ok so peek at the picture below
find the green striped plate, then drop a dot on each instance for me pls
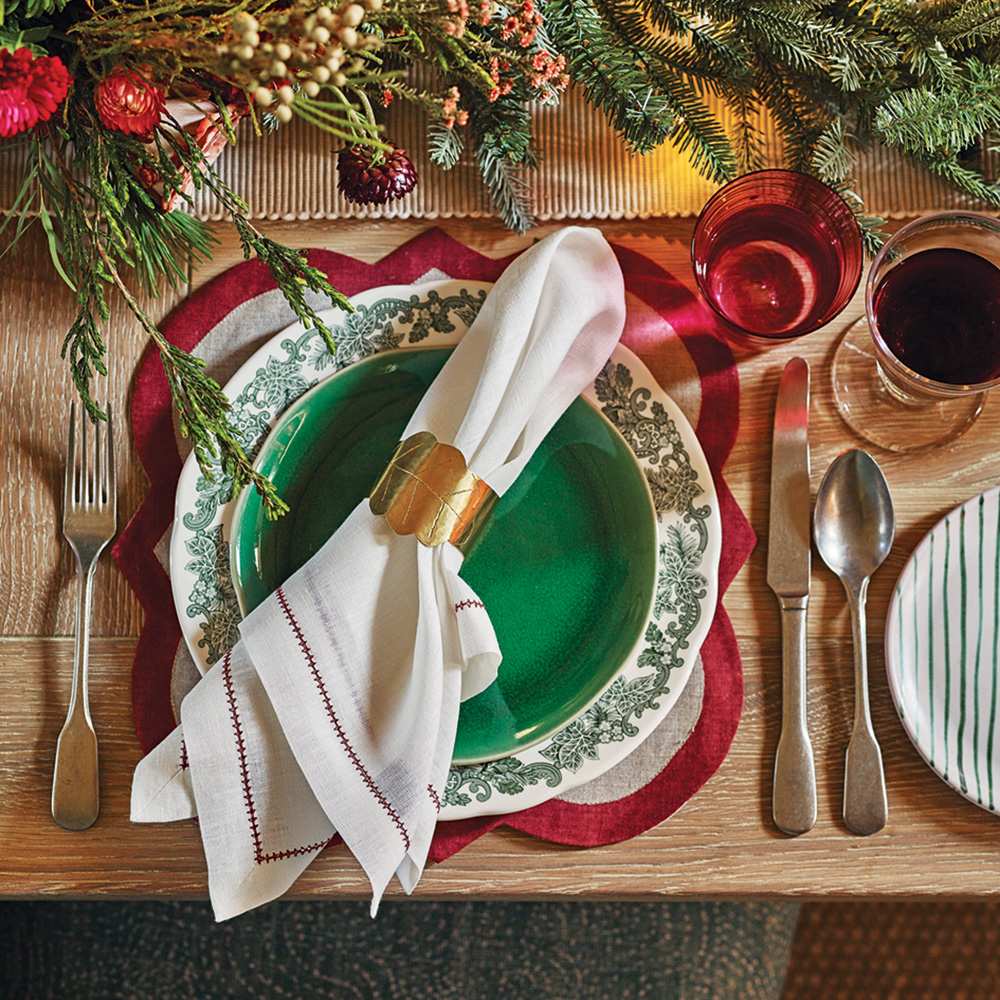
(942, 645)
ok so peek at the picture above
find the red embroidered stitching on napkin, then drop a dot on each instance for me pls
(341, 735)
(258, 851)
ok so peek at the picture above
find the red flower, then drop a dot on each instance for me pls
(30, 89)
(128, 103)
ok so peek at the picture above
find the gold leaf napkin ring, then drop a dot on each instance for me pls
(427, 490)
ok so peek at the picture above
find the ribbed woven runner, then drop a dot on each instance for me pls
(586, 173)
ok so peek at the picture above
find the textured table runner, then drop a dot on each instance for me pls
(230, 317)
(585, 173)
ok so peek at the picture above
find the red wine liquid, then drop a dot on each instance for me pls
(773, 270)
(939, 313)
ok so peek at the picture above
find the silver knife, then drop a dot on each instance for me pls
(794, 796)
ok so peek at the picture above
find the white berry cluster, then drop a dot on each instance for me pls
(300, 48)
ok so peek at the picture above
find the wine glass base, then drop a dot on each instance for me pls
(879, 417)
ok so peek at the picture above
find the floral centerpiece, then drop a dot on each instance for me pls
(121, 106)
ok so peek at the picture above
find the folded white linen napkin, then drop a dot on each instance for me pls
(337, 710)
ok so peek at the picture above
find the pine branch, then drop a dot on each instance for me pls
(678, 79)
(833, 159)
(706, 56)
(748, 144)
(798, 118)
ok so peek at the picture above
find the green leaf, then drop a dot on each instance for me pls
(54, 243)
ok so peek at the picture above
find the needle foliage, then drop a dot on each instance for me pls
(834, 76)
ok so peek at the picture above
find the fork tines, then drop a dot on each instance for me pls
(90, 472)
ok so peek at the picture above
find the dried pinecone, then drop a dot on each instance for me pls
(365, 182)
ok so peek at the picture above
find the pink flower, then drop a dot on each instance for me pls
(128, 103)
(30, 89)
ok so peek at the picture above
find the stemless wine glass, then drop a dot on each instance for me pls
(912, 375)
(777, 254)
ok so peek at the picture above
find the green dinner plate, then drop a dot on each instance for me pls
(566, 564)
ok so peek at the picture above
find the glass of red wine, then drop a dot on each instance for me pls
(777, 254)
(912, 375)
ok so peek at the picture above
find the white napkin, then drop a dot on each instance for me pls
(338, 708)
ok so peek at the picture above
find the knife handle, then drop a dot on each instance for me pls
(793, 801)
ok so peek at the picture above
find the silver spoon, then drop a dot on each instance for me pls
(854, 528)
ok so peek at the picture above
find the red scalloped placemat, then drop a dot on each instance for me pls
(662, 295)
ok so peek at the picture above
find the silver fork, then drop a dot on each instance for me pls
(89, 522)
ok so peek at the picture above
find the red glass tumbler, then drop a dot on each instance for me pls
(776, 254)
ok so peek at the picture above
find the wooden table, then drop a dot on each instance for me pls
(720, 844)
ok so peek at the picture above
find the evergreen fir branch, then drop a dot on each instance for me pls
(609, 76)
(966, 179)
(799, 121)
(713, 41)
(748, 141)
(932, 62)
(916, 30)
(697, 132)
(508, 189)
(942, 123)
(872, 234)
(833, 159)
(833, 163)
(790, 45)
(975, 22)
(503, 128)
(444, 145)
(711, 66)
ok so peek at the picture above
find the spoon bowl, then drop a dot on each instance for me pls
(854, 524)
(854, 527)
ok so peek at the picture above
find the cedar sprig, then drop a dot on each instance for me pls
(99, 220)
(293, 276)
(92, 252)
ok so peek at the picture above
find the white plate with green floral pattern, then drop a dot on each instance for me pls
(689, 529)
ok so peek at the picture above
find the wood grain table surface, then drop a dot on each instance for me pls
(721, 844)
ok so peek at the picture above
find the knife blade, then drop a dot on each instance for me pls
(793, 802)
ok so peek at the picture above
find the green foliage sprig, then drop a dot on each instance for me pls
(834, 76)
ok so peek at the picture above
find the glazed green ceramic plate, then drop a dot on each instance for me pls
(436, 313)
(566, 564)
